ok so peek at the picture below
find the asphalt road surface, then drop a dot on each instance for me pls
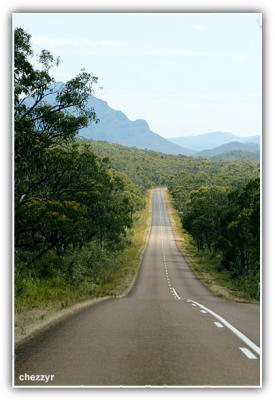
(169, 331)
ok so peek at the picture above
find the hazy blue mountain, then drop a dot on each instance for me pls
(212, 140)
(250, 139)
(228, 147)
(115, 127)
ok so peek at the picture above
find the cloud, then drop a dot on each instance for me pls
(162, 53)
(199, 27)
(47, 41)
(83, 46)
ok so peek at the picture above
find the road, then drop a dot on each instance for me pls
(169, 331)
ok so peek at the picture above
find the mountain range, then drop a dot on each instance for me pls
(116, 127)
(211, 140)
(227, 147)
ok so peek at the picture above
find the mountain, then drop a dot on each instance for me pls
(212, 140)
(228, 147)
(250, 139)
(115, 127)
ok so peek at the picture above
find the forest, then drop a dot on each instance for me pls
(221, 211)
(72, 212)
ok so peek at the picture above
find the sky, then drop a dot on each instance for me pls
(184, 73)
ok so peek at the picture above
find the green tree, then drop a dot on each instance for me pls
(241, 229)
(39, 125)
(202, 215)
(65, 195)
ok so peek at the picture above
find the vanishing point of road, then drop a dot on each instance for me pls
(170, 330)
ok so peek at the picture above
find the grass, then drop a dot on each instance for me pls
(208, 267)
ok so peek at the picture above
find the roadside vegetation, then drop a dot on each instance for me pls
(220, 224)
(77, 220)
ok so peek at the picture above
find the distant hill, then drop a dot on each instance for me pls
(235, 155)
(211, 140)
(228, 147)
(115, 127)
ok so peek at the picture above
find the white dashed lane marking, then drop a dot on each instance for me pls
(223, 323)
(175, 294)
(234, 330)
(248, 353)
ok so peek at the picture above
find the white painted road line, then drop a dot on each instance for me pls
(203, 311)
(175, 294)
(239, 334)
(248, 353)
(218, 324)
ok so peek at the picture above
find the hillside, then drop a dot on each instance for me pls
(148, 168)
(211, 140)
(228, 147)
(237, 155)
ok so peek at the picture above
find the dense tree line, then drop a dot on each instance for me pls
(222, 213)
(65, 196)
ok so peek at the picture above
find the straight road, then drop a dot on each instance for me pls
(169, 331)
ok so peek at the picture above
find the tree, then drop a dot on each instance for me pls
(40, 126)
(241, 229)
(202, 215)
(65, 196)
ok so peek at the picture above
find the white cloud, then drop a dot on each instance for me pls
(83, 46)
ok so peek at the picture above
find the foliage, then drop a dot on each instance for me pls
(240, 224)
(65, 196)
(237, 155)
(201, 218)
(227, 221)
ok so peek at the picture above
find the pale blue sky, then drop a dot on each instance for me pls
(185, 74)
